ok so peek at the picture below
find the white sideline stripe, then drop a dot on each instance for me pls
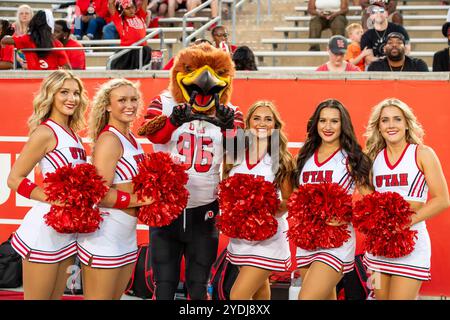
(19, 221)
(140, 140)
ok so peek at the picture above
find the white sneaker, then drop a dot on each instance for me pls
(86, 38)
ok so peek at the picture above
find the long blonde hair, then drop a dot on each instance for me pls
(282, 164)
(21, 29)
(99, 116)
(43, 101)
(375, 142)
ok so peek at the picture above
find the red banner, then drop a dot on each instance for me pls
(296, 101)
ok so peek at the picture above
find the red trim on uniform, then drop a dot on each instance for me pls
(417, 183)
(19, 246)
(60, 158)
(388, 163)
(418, 190)
(123, 173)
(54, 133)
(415, 158)
(127, 166)
(376, 266)
(316, 157)
(74, 137)
(85, 256)
(106, 129)
(54, 161)
(257, 262)
(328, 259)
(133, 142)
(164, 134)
(247, 158)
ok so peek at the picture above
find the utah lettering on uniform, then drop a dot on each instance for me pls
(392, 180)
(78, 153)
(317, 176)
(139, 157)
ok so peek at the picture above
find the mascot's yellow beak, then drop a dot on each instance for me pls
(206, 83)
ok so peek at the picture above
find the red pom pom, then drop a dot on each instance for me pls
(310, 207)
(247, 206)
(164, 181)
(385, 218)
(80, 189)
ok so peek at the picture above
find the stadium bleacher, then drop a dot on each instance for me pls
(278, 38)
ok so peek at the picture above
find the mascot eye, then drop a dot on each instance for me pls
(221, 72)
(187, 69)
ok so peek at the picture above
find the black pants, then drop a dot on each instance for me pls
(193, 235)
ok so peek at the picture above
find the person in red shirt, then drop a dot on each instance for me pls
(131, 27)
(7, 51)
(219, 35)
(93, 16)
(40, 36)
(77, 58)
(337, 48)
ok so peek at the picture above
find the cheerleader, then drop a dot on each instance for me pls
(394, 142)
(58, 113)
(108, 254)
(265, 155)
(331, 153)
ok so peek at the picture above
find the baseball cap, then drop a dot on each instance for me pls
(379, 3)
(337, 44)
(397, 35)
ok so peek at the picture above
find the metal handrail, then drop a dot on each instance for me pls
(186, 39)
(70, 49)
(137, 43)
(236, 6)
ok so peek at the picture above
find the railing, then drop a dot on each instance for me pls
(187, 39)
(126, 49)
(75, 48)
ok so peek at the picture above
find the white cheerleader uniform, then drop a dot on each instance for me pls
(405, 178)
(273, 253)
(332, 170)
(34, 239)
(114, 244)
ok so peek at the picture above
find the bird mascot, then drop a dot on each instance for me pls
(190, 121)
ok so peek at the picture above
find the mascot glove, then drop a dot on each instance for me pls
(224, 117)
(181, 114)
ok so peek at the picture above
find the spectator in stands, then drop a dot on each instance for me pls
(326, 14)
(159, 7)
(354, 53)
(244, 59)
(94, 16)
(23, 18)
(174, 5)
(6, 51)
(337, 47)
(40, 36)
(77, 58)
(375, 39)
(130, 24)
(396, 58)
(391, 7)
(214, 12)
(219, 35)
(169, 63)
(441, 59)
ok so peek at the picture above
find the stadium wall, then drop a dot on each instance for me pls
(296, 96)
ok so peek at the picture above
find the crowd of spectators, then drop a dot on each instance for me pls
(378, 43)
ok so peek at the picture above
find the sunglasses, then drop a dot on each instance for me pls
(225, 35)
(377, 10)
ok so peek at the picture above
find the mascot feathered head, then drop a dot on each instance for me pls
(200, 75)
